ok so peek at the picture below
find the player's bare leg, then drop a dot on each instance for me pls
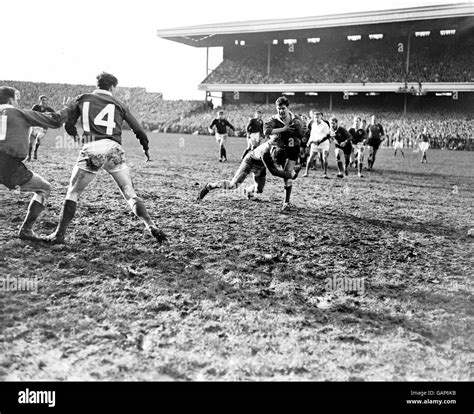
(423, 157)
(123, 180)
(324, 162)
(360, 162)
(347, 162)
(312, 157)
(42, 190)
(80, 179)
(217, 185)
(289, 166)
(39, 137)
(31, 142)
(340, 163)
(248, 149)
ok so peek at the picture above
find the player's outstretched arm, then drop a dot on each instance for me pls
(48, 119)
(139, 132)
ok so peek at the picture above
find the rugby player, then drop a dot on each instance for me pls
(14, 129)
(102, 117)
(398, 145)
(359, 139)
(319, 143)
(266, 156)
(376, 137)
(254, 131)
(38, 133)
(287, 130)
(219, 125)
(343, 149)
(424, 144)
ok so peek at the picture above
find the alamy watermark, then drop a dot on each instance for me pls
(345, 284)
(18, 284)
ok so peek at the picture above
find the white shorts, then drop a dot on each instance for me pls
(359, 147)
(255, 139)
(221, 138)
(38, 132)
(398, 145)
(324, 146)
(104, 153)
(424, 146)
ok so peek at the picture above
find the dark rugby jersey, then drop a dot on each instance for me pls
(42, 109)
(221, 125)
(287, 138)
(425, 137)
(255, 125)
(358, 135)
(15, 126)
(102, 118)
(341, 135)
(376, 131)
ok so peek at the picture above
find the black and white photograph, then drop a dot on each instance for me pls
(237, 192)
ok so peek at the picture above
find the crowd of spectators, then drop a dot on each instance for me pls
(446, 130)
(150, 108)
(347, 63)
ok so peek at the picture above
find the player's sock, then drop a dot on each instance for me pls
(34, 210)
(224, 153)
(340, 167)
(67, 214)
(288, 193)
(30, 149)
(137, 205)
(35, 154)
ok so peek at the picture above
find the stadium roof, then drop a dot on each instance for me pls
(457, 16)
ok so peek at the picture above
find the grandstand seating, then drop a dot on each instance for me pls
(348, 63)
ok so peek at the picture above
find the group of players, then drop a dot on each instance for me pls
(283, 143)
(102, 116)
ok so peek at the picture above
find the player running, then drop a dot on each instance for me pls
(343, 149)
(287, 130)
(254, 132)
(424, 144)
(319, 143)
(219, 125)
(102, 117)
(376, 137)
(398, 145)
(37, 133)
(266, 156)
(359, 139)
(14, 129)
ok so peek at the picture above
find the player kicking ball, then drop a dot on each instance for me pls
(102, 117)
(266, 156)
(15, 125)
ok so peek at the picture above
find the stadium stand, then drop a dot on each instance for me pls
(348, 63)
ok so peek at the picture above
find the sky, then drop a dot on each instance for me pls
(60, 42)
